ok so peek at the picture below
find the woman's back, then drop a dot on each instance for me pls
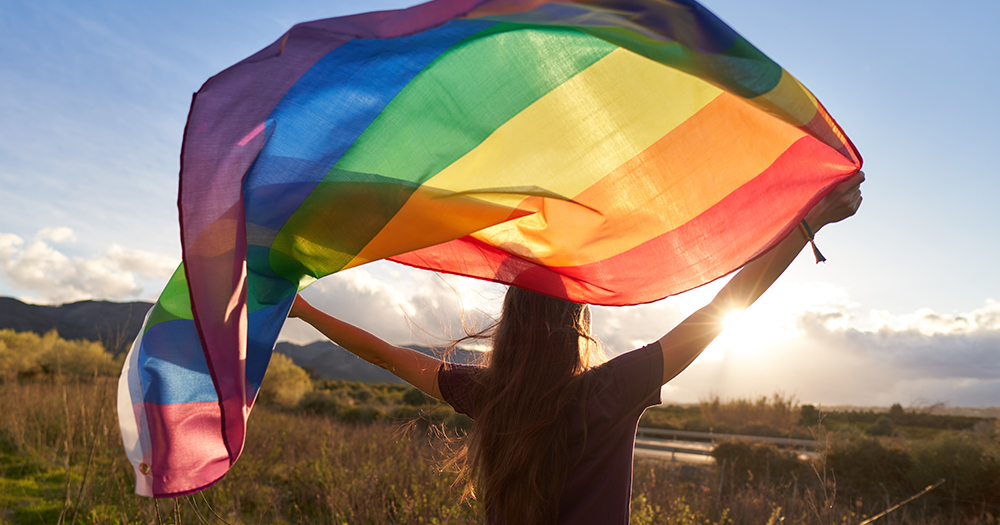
(600, 432)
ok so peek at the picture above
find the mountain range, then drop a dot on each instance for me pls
(116, 324)
(329, 361)
(113, 324)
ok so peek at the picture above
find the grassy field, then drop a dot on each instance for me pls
(340, 452)
(300, 467)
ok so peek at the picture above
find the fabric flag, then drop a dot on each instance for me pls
(611, 152)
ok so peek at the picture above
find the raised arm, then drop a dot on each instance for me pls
(687, 340)
(417, 369)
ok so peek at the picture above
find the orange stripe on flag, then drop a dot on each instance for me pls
(720, 148)
(738, 228)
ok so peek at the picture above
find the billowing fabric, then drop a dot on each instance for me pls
(598, 488)
(611, 152)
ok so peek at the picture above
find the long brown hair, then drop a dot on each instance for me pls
(516, 455)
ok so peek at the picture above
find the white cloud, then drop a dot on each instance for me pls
(401, 305)
(809, 340)
(46, 275)
(143, 264)
(831, 358)
(621, 329)
(56, 235)
(9, 245)
(929, 323)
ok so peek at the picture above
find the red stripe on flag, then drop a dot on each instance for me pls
(743, 225)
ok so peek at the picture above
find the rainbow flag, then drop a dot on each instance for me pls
(611, 152)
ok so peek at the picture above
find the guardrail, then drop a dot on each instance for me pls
(674, 449)
(681, 435)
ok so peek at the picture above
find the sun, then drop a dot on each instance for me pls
(743, 332)
(734, 321)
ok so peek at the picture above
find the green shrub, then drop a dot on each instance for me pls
(761, 430)
(457, 421)
(765, 462)
(405, 413)
(27, 354)
(365, 414)
(864, 466)
(324, 402)
(882, 427)
(284, 382)
(669, 417)
(414, 397)
(362, 393)
(698, 425)
(809, 415)
(970, 466)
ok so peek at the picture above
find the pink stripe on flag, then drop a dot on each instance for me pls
(188, 452)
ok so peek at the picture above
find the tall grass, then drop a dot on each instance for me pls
(62, 461)
(295, 468)
(777, 413)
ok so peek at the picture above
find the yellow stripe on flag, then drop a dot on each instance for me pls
(707, 158)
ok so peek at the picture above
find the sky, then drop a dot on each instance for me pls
(94, 96)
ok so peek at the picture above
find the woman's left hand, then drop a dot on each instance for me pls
(300, 307)
(839, 204)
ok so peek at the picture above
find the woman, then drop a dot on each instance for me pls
(552, 437)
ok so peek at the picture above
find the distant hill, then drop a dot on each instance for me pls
(114, 324)
(330, 361)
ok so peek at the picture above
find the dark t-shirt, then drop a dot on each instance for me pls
(599, 487)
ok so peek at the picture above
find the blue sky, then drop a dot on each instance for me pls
(94, 96)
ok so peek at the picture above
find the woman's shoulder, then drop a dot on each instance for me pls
(648, 355)
(636, 373)
(455, 382)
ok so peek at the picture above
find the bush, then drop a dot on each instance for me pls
(362, 393)
(324, 402)
(405, 413)
(809, 416)
(284, 382)
(27, 354)
(746, 461)
(882, 427)
(414, 397)
(362, 414)
(865, 467)
(761, 430)
(970, 466)
(456, 421)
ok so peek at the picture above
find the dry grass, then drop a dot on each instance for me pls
(295, 468)
(777, 412)
(306, 468)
